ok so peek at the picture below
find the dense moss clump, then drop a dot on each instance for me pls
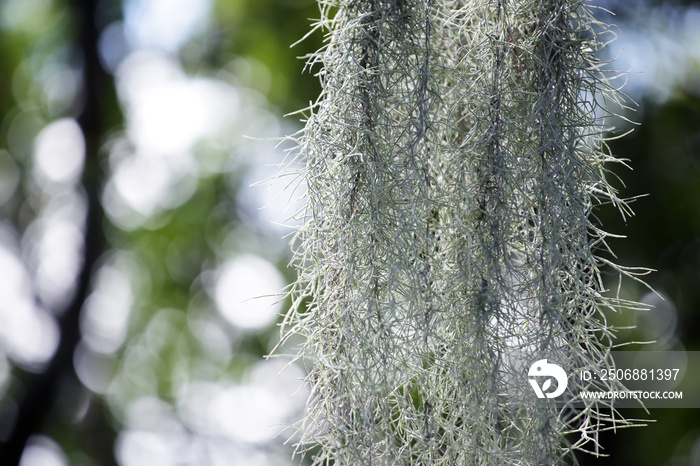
(453, 162)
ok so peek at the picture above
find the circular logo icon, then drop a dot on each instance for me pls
(543, 370)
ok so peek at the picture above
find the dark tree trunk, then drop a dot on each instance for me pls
(43, 389)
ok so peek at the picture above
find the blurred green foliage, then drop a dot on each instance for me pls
(264, 31)
(664, 234)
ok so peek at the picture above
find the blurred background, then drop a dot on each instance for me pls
(137, 222)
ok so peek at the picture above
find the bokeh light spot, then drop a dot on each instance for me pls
(248, 413)
(42, 451)
(164, 24)
(138, 448)
(60, 152)
(247, 292)
(107, 310)
(28, 334)
(658, 323)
